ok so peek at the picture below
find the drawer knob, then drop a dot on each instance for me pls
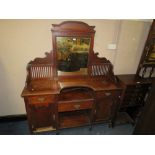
(41, 99)
(77, 106)
(107, 94)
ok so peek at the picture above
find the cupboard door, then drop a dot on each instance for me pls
(107, 104)
(103, 109)
(42, 115)
(40, 112)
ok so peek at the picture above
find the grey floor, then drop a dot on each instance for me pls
(21, 128)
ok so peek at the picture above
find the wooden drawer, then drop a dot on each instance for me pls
(41, 99)
(71, 106)
(105, 94)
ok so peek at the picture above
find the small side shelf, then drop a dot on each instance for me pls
(74, 119)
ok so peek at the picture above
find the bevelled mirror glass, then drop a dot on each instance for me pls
(72, 55)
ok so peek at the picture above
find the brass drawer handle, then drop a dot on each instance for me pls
(41, 99)
(107, 94)
(138, 82)
(77, 106)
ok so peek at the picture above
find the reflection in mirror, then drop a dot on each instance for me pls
(72, 55)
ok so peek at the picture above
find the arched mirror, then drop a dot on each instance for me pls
(72, 45)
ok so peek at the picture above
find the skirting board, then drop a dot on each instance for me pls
(13, 118)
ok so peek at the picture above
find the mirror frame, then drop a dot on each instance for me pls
(72, 29)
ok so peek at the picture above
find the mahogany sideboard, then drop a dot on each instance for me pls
(71, 86)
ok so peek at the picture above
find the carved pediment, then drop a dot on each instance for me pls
(48, 59)
(73, 26)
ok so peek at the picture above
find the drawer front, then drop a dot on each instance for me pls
(62, 107)
(41, 99)
(105, 94)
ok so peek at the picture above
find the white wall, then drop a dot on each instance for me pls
(24, 40)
